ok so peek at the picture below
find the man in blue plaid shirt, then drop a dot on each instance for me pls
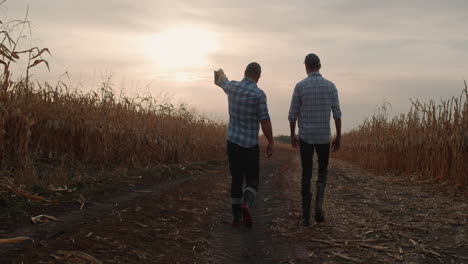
(313, 100)
(247, 111)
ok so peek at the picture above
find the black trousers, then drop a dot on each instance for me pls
(307, 154)
(244, 164)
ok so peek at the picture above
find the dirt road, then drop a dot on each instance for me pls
(369, 219)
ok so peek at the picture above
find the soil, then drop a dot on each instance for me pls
(370, 218)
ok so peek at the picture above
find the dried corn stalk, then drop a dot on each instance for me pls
(75, 256)
(431, 140)
(8, 183)
(43, 219)
(14, 240)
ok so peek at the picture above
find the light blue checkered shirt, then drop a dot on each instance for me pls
(247, 107)
(313, 100)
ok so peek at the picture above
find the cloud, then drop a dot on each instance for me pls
(372, 50)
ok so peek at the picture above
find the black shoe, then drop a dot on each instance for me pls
(319, 216)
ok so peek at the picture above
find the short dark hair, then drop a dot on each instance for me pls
(312, 61)
(253, 70)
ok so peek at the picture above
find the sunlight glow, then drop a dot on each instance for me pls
(181, 47)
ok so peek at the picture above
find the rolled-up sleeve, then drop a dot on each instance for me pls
(263, 108)
(295, 105)
(335, 104)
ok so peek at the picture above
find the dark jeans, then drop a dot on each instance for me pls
(307, 154)
(243, 165)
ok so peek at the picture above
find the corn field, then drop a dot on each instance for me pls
(41, 124)
(431, 140)
(54, 127)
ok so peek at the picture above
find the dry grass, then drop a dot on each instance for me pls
(431, 140)
(40, 124)
(56, 129)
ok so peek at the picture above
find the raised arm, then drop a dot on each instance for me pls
(221, 80)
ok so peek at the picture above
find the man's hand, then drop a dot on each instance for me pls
(219, 76)
(294, 141)
(269, 150)
(336, 144)
(268, 132)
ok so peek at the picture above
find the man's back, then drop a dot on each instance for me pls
(247, 107)
(313, 99)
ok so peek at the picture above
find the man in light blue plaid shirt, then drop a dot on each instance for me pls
(313, 100)
(247, 111)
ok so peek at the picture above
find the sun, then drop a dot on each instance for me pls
(181, 47)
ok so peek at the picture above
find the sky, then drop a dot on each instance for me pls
(373, 51)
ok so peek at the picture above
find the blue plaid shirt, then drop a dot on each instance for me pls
(247, 107)
(312, 101)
